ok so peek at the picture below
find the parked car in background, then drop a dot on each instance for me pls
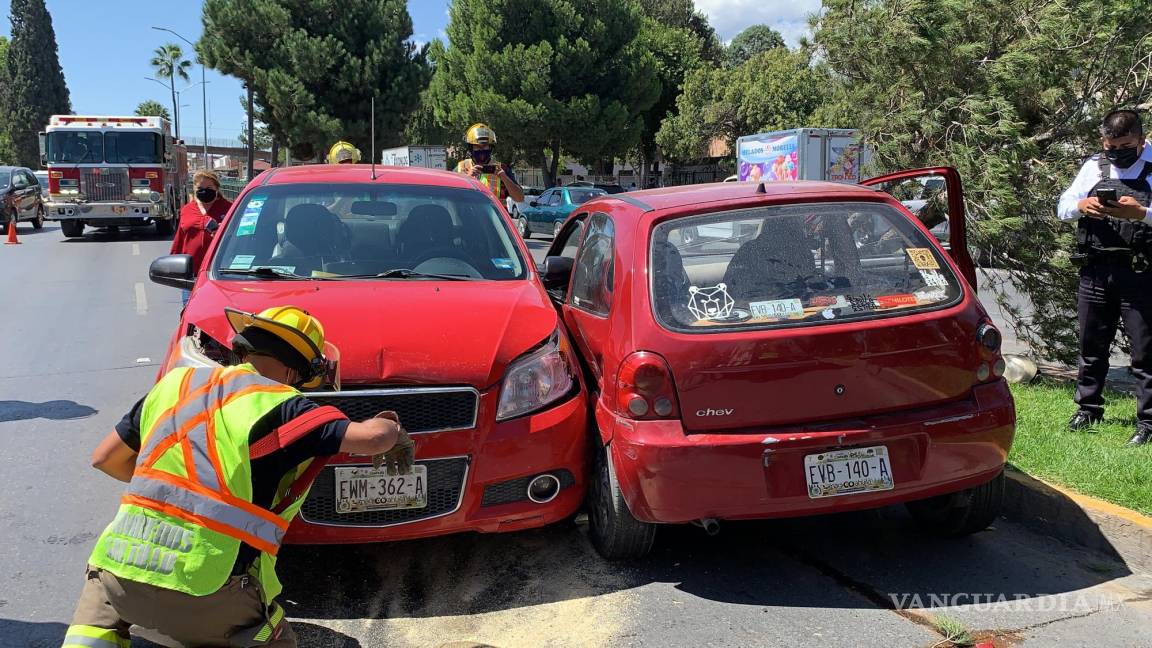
(517, 206)
(546, 214)
(415, 274)
(608, 188)
(42, 178)
(797, 371)
(21, 196)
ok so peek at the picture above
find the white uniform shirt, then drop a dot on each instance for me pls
(1088, 177)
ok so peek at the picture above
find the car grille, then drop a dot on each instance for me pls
(516, 490)
(99, 185)
(421, 409)
(445, 487)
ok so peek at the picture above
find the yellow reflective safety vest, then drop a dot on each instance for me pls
(490, 180)
(189, 504)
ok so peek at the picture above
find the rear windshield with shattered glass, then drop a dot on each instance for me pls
(794, 265)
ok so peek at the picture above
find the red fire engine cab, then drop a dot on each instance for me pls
(113, 172)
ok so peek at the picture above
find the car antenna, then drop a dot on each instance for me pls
(372, 134)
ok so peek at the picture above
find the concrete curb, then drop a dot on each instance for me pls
(1078, 519)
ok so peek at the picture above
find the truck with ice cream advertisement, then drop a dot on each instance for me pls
(829, 154)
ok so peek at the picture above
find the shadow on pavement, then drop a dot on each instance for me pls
(56, 410)
(767, 563)
(104, 235)
(31, 634)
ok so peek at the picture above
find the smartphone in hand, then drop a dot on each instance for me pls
(1107, 197)
(491, 168)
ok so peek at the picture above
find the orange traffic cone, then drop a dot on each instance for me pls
(12, 240)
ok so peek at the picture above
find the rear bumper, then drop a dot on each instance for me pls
(462, 465)
(669, 476)
(93, 211)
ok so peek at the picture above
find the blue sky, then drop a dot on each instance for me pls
(105, 47)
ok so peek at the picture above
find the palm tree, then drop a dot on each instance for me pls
(169, 63)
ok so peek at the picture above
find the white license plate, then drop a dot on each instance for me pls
(364, 488)
(845, 472)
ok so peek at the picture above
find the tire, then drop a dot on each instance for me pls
(522, 226)
(72, 228)
(164, 227)
(38, 222)
(556, 228)
(615, 533)
(963, 513)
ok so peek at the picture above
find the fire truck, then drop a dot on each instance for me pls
(113, 172)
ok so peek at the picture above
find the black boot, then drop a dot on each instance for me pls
(1082, 420)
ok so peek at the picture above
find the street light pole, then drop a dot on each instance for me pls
(203, 94)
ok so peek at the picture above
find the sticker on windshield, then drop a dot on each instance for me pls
(711, 303)
(934, 279)
(242, 262)
(504, 264)
(251, 216)
(922, 258)
(861, 303)
(931, 295)
(828, 301)
(896, 301)
(778, 308)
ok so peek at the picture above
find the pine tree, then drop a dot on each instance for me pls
(39, 90)
(6, 155)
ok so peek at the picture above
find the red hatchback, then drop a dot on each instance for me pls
(782, 349)
(429, 296)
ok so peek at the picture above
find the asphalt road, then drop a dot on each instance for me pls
(84, 329)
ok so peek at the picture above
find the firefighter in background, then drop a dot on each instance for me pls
(498, 177)
(343, 153)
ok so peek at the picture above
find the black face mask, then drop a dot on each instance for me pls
(1124, 157)
(482, 156)
(206, 194)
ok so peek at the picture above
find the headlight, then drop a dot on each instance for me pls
(197, 349)
(537, 379)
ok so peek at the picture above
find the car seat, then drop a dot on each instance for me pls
(763, 266)
(427, 228)
(670, 284)
(313, 236)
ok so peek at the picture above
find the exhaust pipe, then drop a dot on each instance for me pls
(711, 526)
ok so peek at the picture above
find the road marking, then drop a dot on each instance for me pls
(141, 299)
(135, 249)
(143, 360)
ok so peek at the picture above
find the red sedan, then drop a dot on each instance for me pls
(783, 349)
(428, 294)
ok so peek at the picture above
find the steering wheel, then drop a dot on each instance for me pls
(455, 263)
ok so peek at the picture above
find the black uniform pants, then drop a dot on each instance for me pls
(1111, 292)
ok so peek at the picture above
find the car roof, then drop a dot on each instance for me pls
(11, 168)
(687, 195)
(362, 173)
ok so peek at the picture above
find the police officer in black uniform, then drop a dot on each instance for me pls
(1110, 201)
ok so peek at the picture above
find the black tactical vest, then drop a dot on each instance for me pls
(1106, 233)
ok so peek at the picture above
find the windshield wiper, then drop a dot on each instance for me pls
(408, 273)
(264, 272)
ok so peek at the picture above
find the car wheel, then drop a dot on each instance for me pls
(556, 228)
(963, 513)
(164, 227)
(615, 533)
(72, 228)
(38, 222)
(522, 225)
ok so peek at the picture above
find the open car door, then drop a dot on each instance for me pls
(935, 195)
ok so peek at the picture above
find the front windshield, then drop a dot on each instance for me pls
(795, 265)
(132, 148)
(76, 147)
(331, 231)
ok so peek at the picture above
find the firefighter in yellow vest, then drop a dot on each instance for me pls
(498, 177)
(218, 461)
(343, 153)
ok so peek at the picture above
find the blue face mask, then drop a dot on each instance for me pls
(481, 156)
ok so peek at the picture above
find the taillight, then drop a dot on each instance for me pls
(644, 388)
(992, 364)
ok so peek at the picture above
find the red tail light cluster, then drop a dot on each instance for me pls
(644, 388)
(992, 364)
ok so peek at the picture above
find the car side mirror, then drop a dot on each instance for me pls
(556, 271)
(533, 204)
(173, 270)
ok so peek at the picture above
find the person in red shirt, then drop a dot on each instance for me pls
(194, 234)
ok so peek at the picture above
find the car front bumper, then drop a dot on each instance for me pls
(93, 211)
(669, 476)
(477, 480)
